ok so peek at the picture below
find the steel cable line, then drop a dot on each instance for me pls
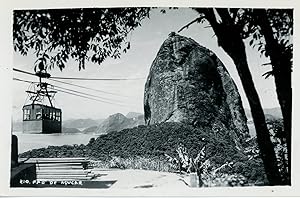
(75, 78)
(85, 93)
(17, 79)
(101, 99)
(90, 98)
(25, 72)
(98, 90)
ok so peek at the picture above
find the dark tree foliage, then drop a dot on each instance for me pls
(230, 34)
(85, 34)
(270, 31)
(276, 26)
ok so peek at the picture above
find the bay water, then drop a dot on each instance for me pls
(28, 142)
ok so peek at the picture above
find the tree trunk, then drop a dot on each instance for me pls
(263, 137)
(281, 65)
(230, 40)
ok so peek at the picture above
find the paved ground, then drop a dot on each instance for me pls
(133, 179)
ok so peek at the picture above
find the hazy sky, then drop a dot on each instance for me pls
(145, 43)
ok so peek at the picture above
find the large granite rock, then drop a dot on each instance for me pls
(188, 83)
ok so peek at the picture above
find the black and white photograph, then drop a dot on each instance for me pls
(152, 98)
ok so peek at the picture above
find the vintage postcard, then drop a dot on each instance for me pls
(158, 99)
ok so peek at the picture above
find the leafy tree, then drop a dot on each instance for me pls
(276, 26)
(270, 32)
(86, 34)
(230, 37)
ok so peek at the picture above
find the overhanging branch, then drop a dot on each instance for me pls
(197, 20)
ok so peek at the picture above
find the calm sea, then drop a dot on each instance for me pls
(33, 141)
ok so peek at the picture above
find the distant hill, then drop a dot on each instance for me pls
(118, 121)
(18, 127)
(275, 112)
(270, 113)
(68, 126)
(133, 114)
(80, 123)
(92, 129)
(70, 130)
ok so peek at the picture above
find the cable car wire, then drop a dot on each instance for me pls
(51, 78)
(17, 79)
(22, 71)
(89, 97)
(97, 98)
(108, 79)
(98, 90)
(75, 78)
(85, 93)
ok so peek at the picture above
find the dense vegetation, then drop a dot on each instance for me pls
(157, 141)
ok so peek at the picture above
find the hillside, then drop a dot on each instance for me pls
(114, 122)
(70, 130)
(133, 114)
(271, 113)
(81, 123)
(118, 121)
(154, 141)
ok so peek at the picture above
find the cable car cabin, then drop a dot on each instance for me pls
(39, 118)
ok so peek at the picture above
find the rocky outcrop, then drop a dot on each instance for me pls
(187, 83)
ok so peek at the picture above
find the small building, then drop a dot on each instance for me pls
(38, 118)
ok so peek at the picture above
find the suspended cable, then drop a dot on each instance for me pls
(98, 90)
(25, 72)
(89, 97)
(95, 99)
(85, 93)
(18, 70)
(107, 79)
(17, 79)
(74, 78)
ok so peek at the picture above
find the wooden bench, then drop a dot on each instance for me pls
(61, 168)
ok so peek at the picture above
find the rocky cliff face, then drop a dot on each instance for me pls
(188, 83)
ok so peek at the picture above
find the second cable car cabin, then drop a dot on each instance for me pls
(38, 117)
